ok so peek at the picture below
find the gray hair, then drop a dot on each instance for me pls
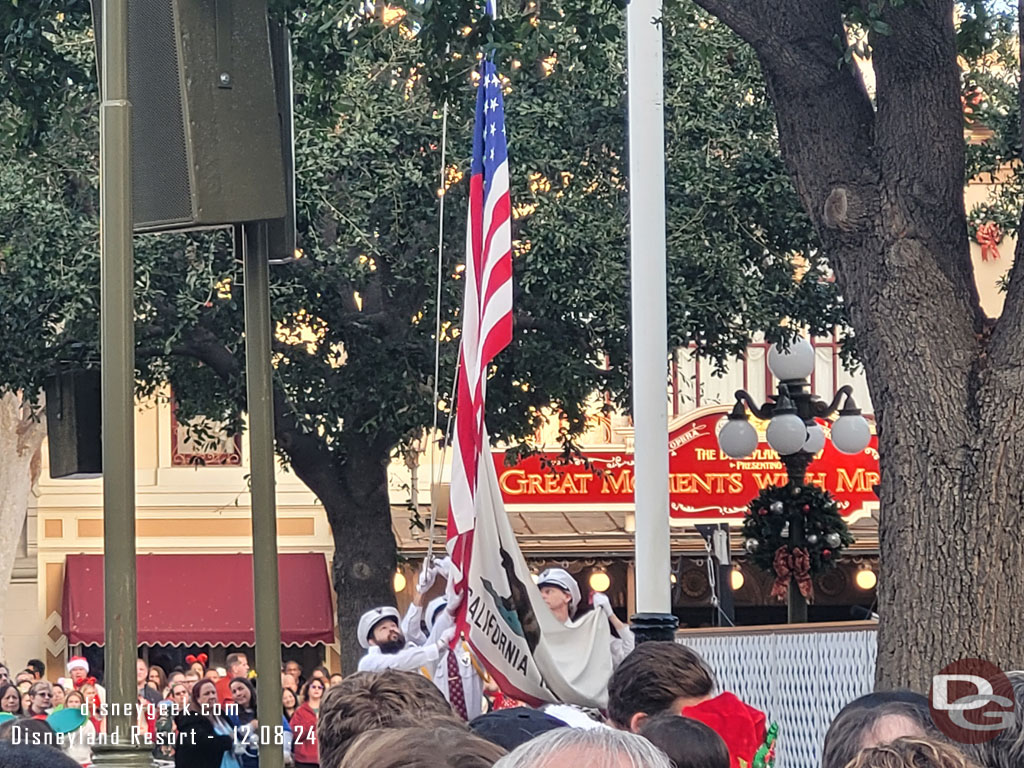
(594, 748)
(1007, 749)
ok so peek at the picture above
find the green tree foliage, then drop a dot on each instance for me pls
(354, 356)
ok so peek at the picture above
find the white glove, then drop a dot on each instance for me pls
(427, 577)
(454, 599)
(443, 566)
(445, 640)
(601, 601)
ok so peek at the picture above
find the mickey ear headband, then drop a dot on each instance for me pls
(202, 658)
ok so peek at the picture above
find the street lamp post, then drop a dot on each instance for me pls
(793, 431)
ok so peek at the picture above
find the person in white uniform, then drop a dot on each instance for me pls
(562, 595)
(438, 622)
(387, 647)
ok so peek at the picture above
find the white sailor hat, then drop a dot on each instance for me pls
(433, 607)
(559, 577)
(371, 619)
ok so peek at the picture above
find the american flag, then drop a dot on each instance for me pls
(487, 311)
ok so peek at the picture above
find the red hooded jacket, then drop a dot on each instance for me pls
(742, 728)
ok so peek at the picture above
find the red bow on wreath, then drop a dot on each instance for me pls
(86, 681)
(202, 658)
(795, 565)
(988, 237)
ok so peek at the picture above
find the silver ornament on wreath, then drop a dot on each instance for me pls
(812, 538)
(776, 507)
(785, 530)
(751, 545)
(833, 540)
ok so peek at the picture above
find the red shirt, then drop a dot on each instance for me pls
(742, 728)
(224, 690)
(304, 742)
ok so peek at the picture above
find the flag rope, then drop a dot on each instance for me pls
(435, 473)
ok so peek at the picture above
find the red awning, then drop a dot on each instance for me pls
(201, 599)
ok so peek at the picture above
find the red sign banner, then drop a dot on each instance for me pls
(703, 481)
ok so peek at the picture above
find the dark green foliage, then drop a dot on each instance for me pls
(368, 161)
(779, 510)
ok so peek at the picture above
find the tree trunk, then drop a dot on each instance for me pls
(364, 546)
(20, 441)
(883, 184)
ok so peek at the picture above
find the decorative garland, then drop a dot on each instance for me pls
(773, 514)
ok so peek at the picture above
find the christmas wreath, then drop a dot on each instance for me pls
(794, 532)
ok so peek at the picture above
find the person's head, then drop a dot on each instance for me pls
(74, 700)
(657, 677)
(367, 701)
(37, 667)
(872, 720)
(141, 672)
(560, 591)
(243, 694)
(912, 752)
(313, 691)
(445, 747)
(379, 627)
(26, 703)
(213, 674)
(26, 676)
(92, 696)
(26, 731)
(237, 665)
(191, 678)
(5, 674)
(33, 756)
(176, 676)
(204, 695)
(10, 698)
(58, 695)
(1006, 750)
(336, 678)
(289, 699)
(157, 678)
(322, 672)
(40, 697)
(179, 693)
(688, 743)
(508, 728)
(293, 668)
(593, 748)
(78, 668)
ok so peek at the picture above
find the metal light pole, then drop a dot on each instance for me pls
(260, 399)
(654, 619)
(117, 361)
(794, 433)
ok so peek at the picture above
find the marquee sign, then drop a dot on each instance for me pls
(703, 482)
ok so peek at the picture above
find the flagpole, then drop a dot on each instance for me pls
(654, 619)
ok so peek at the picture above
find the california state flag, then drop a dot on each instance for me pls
(531, 655)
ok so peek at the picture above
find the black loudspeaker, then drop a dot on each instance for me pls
(282, 233)
(73, 424)
(206, 136)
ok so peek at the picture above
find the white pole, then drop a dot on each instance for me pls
(649, 313)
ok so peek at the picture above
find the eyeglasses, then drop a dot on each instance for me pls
(47, 694)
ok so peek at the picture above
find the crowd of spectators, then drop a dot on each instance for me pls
(665, 710)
